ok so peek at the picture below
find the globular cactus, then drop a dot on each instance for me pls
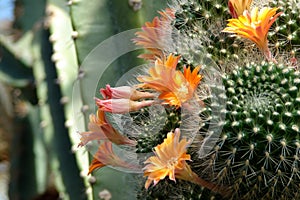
(258, 150)
(204, 21)
(256, 154)
(285, 35)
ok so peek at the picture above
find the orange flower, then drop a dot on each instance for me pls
(95, 164)
(170, 160)
(100, 129)
(254, 26)
(237, 7)
(170, 157)
(174, 86)
(151, 35)
(105, 156)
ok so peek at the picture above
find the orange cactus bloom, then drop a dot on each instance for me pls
(105, 156)
(100, 129)
(151, 35)
(237, 7)
(170, 156)
(95, 164)
(254, 26)
(174, 86)
(170, 160)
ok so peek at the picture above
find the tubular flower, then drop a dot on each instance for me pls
(151, 36)
(105, 156)
(237, 7)
(254, 26)
(121, 105)
(124, 92)
(174, 86)
(170, 157)
(100, 129)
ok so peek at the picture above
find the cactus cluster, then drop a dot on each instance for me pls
(40, 60)
(223, 120)
(243, 122)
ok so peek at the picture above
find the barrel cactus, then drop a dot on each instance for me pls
(258, 150)
(285, 35)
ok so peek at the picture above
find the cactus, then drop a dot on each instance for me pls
(257, 153)
(26, 156)
(19, 75)
(285, 35)
(49, 97)
(34, 71)
(204, 21)
(49, 139)
(116, 16)
(64, 58)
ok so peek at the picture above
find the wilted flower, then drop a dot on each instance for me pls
(254, 26)
(151, 36)
(100, 129)
(237, 7)
(124, 92)
(105, 156)
(121, 105)
(174, 86)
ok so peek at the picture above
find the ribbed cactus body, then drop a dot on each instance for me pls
(257, 154)
(146, 140)
(205, 20)
(286, 34)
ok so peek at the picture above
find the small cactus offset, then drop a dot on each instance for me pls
(215, 113)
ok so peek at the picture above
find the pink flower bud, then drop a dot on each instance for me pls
(100, 129)
(121, 105)
(124, 92)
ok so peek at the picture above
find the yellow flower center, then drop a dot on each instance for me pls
(172, 162)
(183, 92)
